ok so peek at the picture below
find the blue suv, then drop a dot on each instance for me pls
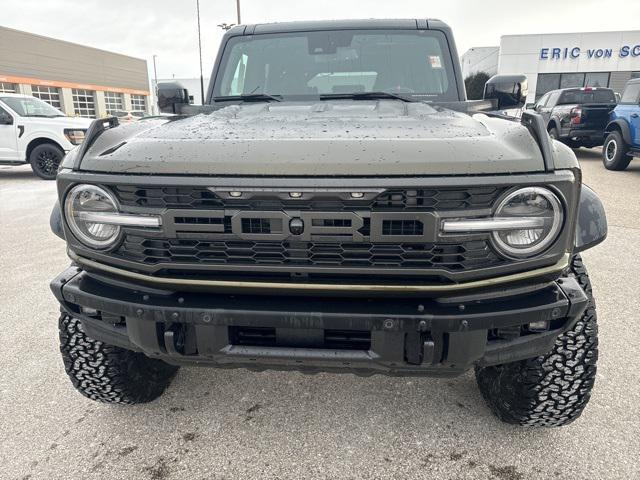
(622, 141)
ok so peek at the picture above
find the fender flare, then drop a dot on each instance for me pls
(55, 221)
(622, 126)
(591, 224)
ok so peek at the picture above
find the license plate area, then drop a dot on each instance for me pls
(300, 338)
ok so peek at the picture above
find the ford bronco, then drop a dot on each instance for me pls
(622, 141)
(337, 205)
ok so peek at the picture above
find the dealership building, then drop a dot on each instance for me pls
(80, 81)
(551, 61)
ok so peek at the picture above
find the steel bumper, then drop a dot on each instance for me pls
(395, 336)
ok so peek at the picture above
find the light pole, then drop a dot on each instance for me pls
(238, 11)
(200, 52)
(155, 76)
(155, 70)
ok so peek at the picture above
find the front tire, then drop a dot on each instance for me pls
(110, 374)
(45, 160)
(614, 152)
(550, 390)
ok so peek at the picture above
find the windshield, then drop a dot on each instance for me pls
(415, 63)
(31, 107)
(587, 96)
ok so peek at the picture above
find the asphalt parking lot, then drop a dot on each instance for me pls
(239, 424)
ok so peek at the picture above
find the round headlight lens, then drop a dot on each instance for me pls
(533, 202)
(87, 199)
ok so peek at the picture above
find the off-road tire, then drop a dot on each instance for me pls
(615, 152)
(551, 390)
(110, 374)
(45, 160)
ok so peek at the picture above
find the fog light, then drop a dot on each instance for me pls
(357, 194)
(235, 194)
(295, 194)
(541, 326)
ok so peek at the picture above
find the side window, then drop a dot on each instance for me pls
(5, 117)
(237, 82)
(631, 94)
(543, 101)
(553, 99)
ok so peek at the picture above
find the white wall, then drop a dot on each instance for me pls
(480, 59)
(523, 54)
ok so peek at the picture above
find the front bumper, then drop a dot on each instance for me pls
(395, 336)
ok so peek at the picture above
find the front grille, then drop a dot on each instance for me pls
(391, 199)
(452, 257)
(328, 235)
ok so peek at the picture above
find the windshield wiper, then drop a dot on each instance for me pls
(368, 96)
(250, 97)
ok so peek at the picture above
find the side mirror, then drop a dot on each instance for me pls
(171, 97)
(530, 106)
(6, 119)
(507, 91)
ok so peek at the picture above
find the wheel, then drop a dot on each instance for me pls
(551, 390)
(110, 374)
(45, 159)
(614, 152)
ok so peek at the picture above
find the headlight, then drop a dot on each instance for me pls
(93, 216)
(75, 136)
(524, 224)
(538, 206)
(81, 206)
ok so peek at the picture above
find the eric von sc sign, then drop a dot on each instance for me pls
(576, 52)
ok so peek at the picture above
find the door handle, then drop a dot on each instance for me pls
(634, 115)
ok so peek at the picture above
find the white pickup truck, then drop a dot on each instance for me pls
(34, 132)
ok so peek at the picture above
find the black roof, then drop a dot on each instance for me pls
(317, 25)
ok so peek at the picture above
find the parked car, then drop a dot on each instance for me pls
(622, 141)
(34, 132)
(577, 116)
(125, 116)
(343, 225)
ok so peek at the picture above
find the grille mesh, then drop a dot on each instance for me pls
(395, 199)
(453, 257)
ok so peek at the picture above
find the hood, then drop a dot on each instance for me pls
(341, 138)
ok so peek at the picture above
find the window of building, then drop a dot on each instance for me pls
(597, 79)
(139, 103)
(83, 103)
(113, 102)
(547, 82)
(8, 87)
(51, 95)
(635, 74)
(568, 80)
(552, 81)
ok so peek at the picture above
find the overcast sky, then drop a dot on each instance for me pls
(167, 28)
